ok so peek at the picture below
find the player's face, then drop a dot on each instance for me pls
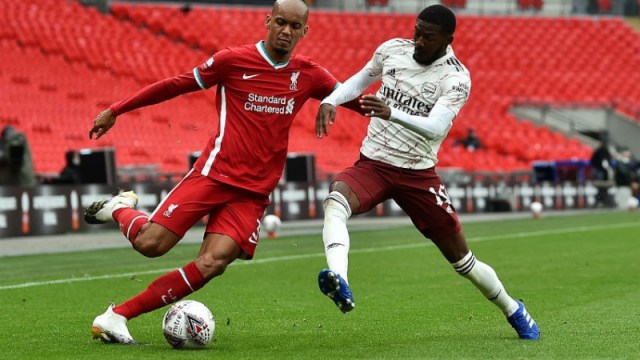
(287, 24)
(430, 42)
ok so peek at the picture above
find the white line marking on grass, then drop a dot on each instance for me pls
(355, 251)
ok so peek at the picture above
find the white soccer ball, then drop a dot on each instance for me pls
(188, 324)
(271, 224)
(536, 209)
(632, 203)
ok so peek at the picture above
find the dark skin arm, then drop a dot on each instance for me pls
(103, 123)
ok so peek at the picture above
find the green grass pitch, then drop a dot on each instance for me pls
(578, 276)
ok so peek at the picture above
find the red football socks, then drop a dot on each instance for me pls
(164, 290)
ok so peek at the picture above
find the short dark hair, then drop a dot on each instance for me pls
(439, 15)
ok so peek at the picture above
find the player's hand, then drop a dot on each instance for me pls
(104, 121)
(325, 117)
(374, 106)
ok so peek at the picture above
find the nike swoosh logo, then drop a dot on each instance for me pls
(246, 77)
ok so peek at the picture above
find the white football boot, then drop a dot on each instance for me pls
(101, 212)
(111, 328)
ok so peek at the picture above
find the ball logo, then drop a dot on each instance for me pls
(196, 326)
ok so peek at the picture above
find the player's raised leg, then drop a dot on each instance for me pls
(120, 208)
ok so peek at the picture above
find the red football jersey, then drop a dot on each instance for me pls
(257, 100)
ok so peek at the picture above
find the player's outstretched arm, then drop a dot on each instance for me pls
(103, 123)
(149, 95)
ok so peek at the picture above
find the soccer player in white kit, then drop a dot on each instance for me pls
(423, 88)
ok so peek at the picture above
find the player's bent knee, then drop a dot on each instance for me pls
(211, 266)
(150, 248)
(338, 199)
(154, 240)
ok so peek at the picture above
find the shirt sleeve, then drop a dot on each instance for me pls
(375, 64)
(455, 91)
(210, 73)
(351, 89)
(213, 71)
(156, 93)
(434, 126)
(324, 82)
(327, 83)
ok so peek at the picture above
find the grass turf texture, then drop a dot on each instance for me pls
(578, 276)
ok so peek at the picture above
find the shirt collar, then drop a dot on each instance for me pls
(448, 55)
(262, 49)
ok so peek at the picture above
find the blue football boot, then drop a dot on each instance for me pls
(524, 324)
(337, 289)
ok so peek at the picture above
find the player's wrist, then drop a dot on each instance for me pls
(328, 101)
(397, 115)
(114, 110)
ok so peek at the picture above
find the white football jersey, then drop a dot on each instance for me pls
(414, 89)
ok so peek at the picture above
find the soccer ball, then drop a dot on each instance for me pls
(271, 224)
(632, 203)
(536, 209)
(188, 324)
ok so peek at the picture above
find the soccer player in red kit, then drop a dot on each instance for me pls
(260, 88)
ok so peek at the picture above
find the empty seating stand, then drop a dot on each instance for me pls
(56, 55)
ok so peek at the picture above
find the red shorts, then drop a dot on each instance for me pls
(232, 211)
(420, 193)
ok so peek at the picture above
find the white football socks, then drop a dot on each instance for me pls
(486, 280)
(335, 234)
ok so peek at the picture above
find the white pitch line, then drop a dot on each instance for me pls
(314, 255)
